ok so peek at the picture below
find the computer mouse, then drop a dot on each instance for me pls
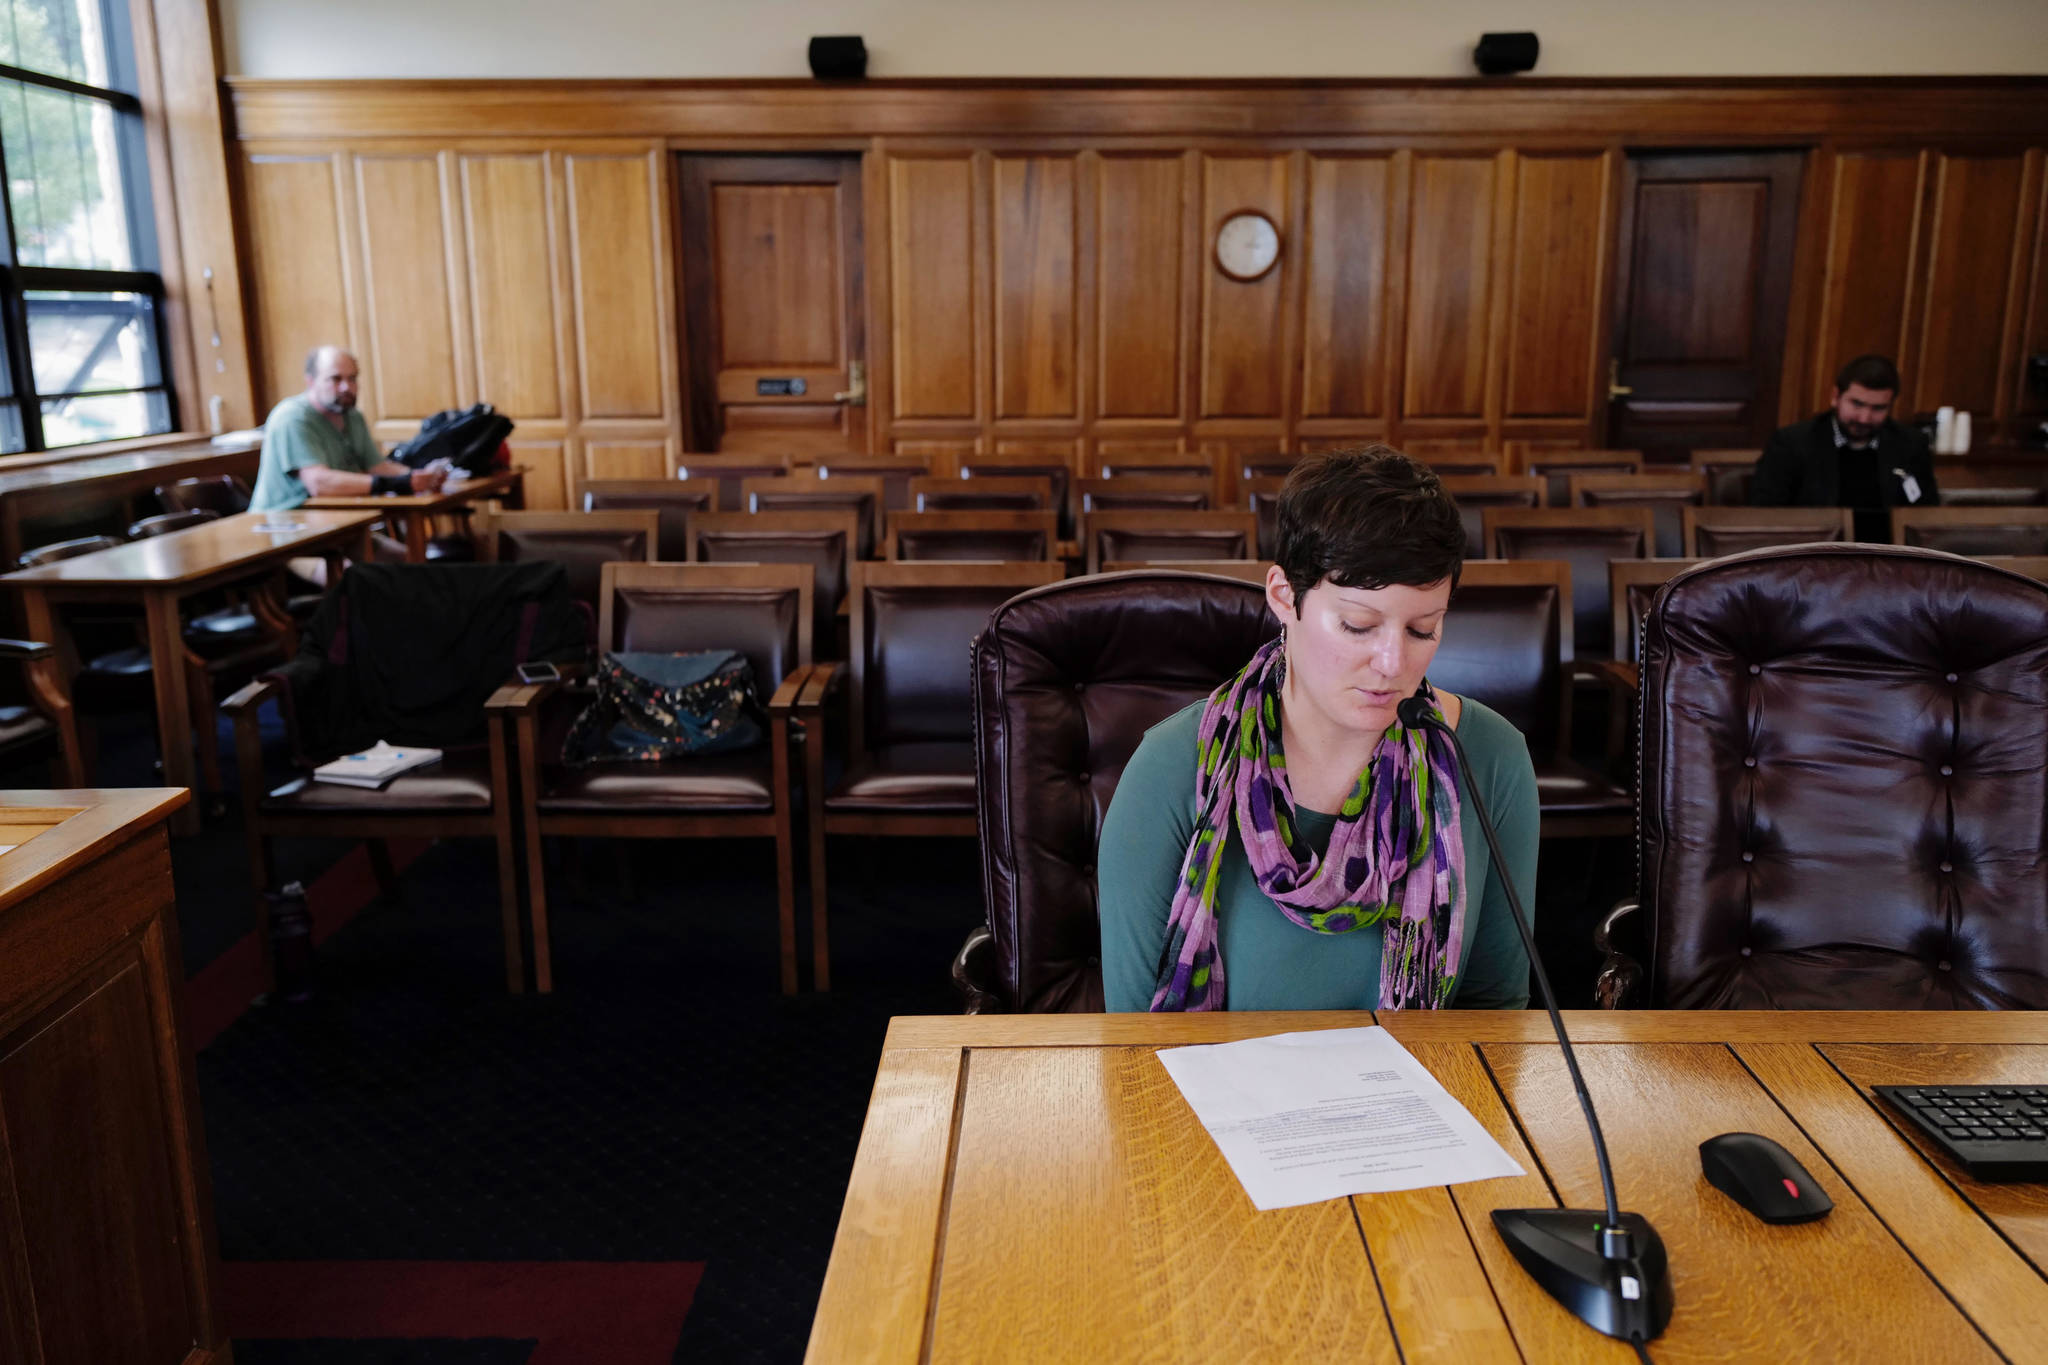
(1762, 1177)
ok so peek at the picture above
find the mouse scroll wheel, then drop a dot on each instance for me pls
(1791, 1188)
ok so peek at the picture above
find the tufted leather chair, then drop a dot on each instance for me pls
(1973, 530)
(1154, 534)
(1022, 494)
(1474, 493)
(825, 540)
(909, 717)
(1585, 538)
(1841, 802)
(672, 499)
(761, 610)
(1067, 679)
(1714, 531)
(581, 542)
(1007, 536)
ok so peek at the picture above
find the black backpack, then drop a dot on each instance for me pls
(466, 437)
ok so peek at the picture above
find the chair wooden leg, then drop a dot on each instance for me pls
(508, 865)
(785, 858)
(814, 802)
(381, 865)
(205, 728)
(536, 864)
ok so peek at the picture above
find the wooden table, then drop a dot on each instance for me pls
(1036, 1189)
(72, 486)
(417, 510)
(160, 573)
(108, 1216)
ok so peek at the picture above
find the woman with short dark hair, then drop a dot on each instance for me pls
(1290, 826)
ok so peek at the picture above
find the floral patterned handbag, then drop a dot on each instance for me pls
(653, 706)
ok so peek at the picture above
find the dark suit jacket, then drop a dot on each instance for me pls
(1801, 467)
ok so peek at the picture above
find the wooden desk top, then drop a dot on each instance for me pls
(467, 491)
(1035, 1188)
(52, 832)
(70, 473)
(210, 548)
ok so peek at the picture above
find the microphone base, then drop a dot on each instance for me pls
(1560, 1248)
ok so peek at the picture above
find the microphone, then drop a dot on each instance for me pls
(1606, 1266)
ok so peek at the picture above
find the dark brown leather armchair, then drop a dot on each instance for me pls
(1192, 493)
(1586, 538)
(1067, 679)
(825, 540)
(910, 729)
(861, 496)
(1474, 493)
(761, 610)
(1011, 537)
(581, 542)
(1153, 534)
(1014, 466)
(1841, 803)
(1714, 531)
(731, 471)
(1973, 530)
(673, 499)
(1665, 493)
(1022, 494)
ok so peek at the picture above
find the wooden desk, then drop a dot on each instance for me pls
(159, 574)
(417, 510)
(71, 486)
(1035, 1188)
(107, 1217)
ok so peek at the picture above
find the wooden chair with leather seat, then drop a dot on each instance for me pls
(761, 610)
(909, 722)
(1711, 532)
(897, 473)
(1261, 497)
(1019, 466)
(1056, 718)
(1022, 494)
(673, 499)
(851, 493)
(1158, 535)
(1585, 538)
(36, 719)
(2009, 530)
(1842, 795)
(1132, 493)
(1154, 464)
(222, 494)
(1243, 465)
(468, 793)
(1729, 474)
(731, 471)
(824, 540)
(1474, 493)
(1556, 467)
(1008, 537)
(1666, 494)
(581, 542)
(1461, 464)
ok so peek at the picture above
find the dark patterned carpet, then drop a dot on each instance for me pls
(647, 1165)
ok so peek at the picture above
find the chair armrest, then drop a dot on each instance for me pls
(973, 972)
(1623, 678)
(1619, 973)
(519, 698)
(250, 696)
(25, 650)
(824, 679)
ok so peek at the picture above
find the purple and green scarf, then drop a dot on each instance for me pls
(1395, 857)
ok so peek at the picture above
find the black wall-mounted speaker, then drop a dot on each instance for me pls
(839, 59)
(1505, 54)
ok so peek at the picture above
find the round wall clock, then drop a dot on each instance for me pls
(1247, 245)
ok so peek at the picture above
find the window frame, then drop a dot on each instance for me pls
(18, 281)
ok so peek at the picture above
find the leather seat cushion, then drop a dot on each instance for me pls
(705, 782)
(1568, 789)
(21, 725)
(461, 781)
(120, 663)
(229, 621)
(935, 778)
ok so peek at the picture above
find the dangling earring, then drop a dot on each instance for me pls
(1280, 676)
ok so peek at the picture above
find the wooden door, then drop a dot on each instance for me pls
(1705, 275)
(771, 280)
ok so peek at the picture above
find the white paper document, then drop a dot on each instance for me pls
(1304, 1117)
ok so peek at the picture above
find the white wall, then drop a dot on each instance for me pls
(1108, 38)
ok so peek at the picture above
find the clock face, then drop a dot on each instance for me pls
(1247, 245)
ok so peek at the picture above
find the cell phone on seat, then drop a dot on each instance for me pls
(539, 672)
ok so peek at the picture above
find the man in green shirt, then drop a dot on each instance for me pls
(316, 444)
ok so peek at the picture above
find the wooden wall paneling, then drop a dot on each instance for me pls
(936, 327)
(1973, 237)
(298, 268)
(617, 458)
(1874, 255)
(1555, 300)
(1349, 240)
(1036, 315)
(1066, 448)
(1450, 286)
(1140, 236)
(545, 457)
(514, 283)
(408, 363)
(619, 246)
(1243, 330)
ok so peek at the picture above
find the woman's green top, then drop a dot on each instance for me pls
(1270, 962)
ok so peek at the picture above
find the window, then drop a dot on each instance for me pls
(81, 339)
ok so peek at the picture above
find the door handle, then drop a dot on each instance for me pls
(857, 385)
(1615, 388)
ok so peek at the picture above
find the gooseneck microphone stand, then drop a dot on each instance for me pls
(1607, 1267)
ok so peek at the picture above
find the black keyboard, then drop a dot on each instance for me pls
(1995, 1132)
